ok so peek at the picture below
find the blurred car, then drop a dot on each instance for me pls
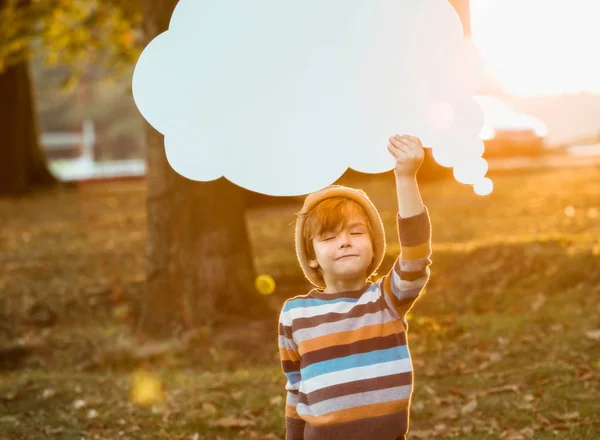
(506, 132)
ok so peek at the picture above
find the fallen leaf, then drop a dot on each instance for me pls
(440, 428)
(12, 394)
(467, 429)
(48, 392)
(430, 390)
(209, 408)
(232, 422)
(422, 434)
(483, 365)
(528, 432)
(418, 406)
(567, 416)
(53, 430)
(459, 392)
(538, 302)
(594, 335)
(512, 434)
(542, 419)
(447, 412)
(79, 403)
(276, 400)
(469, 407)
(494, 424)
(509, 387)
(495, 357)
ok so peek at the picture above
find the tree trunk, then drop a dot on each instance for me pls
(200, 265)
(22, 162)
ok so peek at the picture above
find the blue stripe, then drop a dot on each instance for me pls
(354, 361)
(293, 377)
(313, 302)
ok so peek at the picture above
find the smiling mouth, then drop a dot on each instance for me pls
(347, 256)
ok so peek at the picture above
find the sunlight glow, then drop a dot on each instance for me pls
(539, 47)
(498, 115)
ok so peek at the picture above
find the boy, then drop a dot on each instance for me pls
(343, 349)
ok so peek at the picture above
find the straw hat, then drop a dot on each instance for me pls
(359, 196)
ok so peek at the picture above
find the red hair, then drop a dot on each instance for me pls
(327, 216)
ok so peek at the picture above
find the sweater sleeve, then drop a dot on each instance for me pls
(290, 365)
(410, 272)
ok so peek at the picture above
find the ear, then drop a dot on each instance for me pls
(313, 263)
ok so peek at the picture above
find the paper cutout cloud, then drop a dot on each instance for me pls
(281, 97)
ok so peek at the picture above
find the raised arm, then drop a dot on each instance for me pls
(405, 281)
(410, 272)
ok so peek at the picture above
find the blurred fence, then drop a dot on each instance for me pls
(71, 157)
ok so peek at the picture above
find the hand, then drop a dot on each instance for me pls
(409, 154)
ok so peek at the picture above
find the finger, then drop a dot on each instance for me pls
(410, 142)
(398, 142)
(401, 148)
(398, 138)
(400, 157)
(409, 145)
(415, 141)
(416, 150)
(414, 138)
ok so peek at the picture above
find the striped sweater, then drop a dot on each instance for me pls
(345, 355)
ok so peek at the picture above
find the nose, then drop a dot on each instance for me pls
(344, 240)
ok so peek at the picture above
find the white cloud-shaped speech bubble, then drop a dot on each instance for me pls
(281, 97)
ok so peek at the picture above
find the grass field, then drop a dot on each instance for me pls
(505, 341)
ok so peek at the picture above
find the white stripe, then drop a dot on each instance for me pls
(391, 307)
(355, 400)
(370, 295)
(291, 399)
(287, 343)
(352, 374)
(414, 265)
(379, 317)
(401, 284)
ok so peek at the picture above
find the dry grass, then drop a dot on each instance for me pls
(504, 341)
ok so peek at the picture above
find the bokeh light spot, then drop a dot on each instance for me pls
(265, 284)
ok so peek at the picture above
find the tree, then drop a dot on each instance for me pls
(199, 255)
(69, 32)
(200, 263)
(22, 162)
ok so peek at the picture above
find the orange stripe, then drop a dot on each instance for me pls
(349, 336)
(288, 355)
(290, 411)
(416, 252)
(359, 412)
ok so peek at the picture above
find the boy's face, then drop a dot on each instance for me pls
(344, 254)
